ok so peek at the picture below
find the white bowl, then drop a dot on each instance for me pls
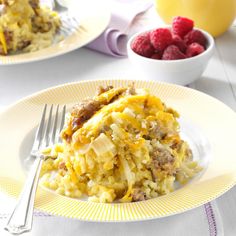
(182, 72)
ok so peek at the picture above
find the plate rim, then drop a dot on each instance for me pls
(35, 94)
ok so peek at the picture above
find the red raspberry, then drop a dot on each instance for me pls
(178, 41)
(142, 46)
(173, 53)
(181, 25)
(194, 49)
(160, 38)
(157, 56)
(195, 36)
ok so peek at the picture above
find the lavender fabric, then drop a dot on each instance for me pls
(123, 14)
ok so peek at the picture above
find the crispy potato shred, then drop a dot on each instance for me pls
(121, 145)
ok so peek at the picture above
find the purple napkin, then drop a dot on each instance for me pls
(123, 15)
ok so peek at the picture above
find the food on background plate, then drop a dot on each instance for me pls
(121, 145)
(180, 42)
(26, 26)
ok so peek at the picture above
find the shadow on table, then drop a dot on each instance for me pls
(225, 45)
(219, 89)
(74, 66)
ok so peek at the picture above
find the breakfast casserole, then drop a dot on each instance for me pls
(121, 145)
(26, 26)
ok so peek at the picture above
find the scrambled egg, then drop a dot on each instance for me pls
(121, 145)
(24, 25)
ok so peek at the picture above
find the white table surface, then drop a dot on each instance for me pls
(219, 80)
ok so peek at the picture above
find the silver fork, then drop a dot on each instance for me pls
(47, 134)
(70, 24)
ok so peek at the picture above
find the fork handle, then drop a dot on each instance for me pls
(22, 216)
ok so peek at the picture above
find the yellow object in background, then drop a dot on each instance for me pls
(214, 16)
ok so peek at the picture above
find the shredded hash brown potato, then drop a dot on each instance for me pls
(26, 26)
(121, 145)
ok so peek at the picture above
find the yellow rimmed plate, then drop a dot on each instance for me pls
(214, 120)
(93, 18)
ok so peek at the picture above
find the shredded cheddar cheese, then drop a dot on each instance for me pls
(3, 41)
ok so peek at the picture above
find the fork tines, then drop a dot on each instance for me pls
(70, 25)
(50, 126)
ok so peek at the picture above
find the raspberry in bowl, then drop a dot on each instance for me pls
(178, 54)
